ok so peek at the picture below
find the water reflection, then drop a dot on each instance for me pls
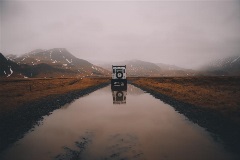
(135, 91)
(119, 95)
(92, 128)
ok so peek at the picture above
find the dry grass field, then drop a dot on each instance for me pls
(17, 92)
(215, 101)
(218, 93)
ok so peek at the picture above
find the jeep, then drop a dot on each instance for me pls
(119, 77)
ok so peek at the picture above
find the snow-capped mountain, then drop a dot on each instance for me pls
(143, 68)
(136, 68)
(60, 59)
(10, 69)
(229, 66)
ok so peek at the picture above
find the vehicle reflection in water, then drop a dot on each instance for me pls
(119, 95)
(93, 128)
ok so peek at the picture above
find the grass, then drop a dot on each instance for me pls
(17, 92)
(216, 93)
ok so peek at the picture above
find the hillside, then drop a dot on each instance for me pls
(172, 70)
(144, 68)
(57, 62)
(136, 68)
(229, 66)
(9, 68)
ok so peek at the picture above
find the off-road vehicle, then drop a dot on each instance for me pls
(119, 77)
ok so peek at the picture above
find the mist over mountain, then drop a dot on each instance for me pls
(144, 68)
(229, 66)
(136, 68)
(184, 33)
(59, 62)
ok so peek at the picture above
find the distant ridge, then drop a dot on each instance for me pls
(57, 62)
(144, 68)
(229, 66)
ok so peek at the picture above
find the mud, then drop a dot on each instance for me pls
(120, 147)
(76, 153)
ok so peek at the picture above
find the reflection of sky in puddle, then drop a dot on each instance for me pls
(143, 128)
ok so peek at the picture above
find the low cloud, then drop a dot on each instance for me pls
(184, 33)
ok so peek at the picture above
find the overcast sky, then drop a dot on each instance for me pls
(184, 33)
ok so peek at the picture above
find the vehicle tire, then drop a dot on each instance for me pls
(119, 94)
(119, 75)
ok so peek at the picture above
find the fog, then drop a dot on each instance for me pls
(183, 33)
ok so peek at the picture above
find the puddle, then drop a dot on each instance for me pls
(114, 125)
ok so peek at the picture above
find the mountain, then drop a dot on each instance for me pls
(172, 70)
(57, 62)
(168, 67)
(229, 66)
(45, 70)
(143, 68)
(136, 68)
(11, 69)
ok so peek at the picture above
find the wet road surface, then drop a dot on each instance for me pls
(114, 125)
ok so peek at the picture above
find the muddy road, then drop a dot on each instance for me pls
(114, 125)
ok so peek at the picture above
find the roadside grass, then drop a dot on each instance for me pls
(17, 92)
(217, 93)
